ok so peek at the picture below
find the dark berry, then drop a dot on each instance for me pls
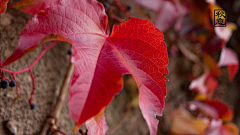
(80, 131)
(12, 83)
(129, 7)
(70, 52)
(106, 5)
(33, 106)
(4, 84)
(122, 90)
(170, 52)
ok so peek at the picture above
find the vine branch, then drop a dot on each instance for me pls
(52, 121)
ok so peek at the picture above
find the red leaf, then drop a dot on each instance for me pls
(135, 46)
(229, 58)
(3, 6)
(211, 84)
(32, 6)
(215, 108)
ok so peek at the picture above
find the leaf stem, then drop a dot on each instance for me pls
(53, 119)
(33, 85)
(37, 59)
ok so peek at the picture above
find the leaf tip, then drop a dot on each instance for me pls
(76, 128)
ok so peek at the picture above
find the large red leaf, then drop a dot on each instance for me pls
(3, 6)
(32, 6)
(135, 46)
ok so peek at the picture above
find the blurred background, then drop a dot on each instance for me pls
(203, 91)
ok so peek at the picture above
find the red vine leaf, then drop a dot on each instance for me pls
(135, 46)
(229, 58)
(32, 6)
(3, 6)
(214, 108)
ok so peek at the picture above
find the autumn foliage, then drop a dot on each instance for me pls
(136, 47)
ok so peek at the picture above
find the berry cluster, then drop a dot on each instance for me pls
(5, 83)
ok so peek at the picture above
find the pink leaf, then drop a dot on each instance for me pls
(135, 46)
(152, 4)
(169, 13)
(199, 85)
(225, 32)
(229, 58)
(166, 16)
(32, 6)
(97, 124)
(218, 128)
(214, 128)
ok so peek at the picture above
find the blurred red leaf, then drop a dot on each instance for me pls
(214, 108)
(229, 58)
(152, 4)
(135, 46)
(211, 84)
(3, 6)
(32, 6)
(213, 45)
(168, 12)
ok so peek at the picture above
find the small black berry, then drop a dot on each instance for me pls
(33, 106)
(106, 5)
(12, 83)
(70, 52)
(80, 131)
(4, 84)
(129, 7)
